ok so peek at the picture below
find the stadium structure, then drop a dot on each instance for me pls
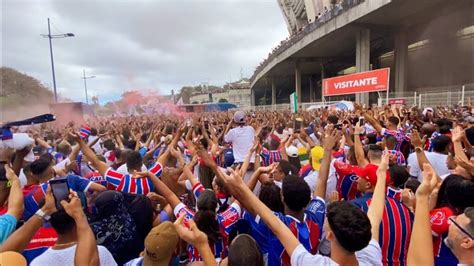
(427, 44)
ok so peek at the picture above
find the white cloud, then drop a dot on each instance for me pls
(160, 45)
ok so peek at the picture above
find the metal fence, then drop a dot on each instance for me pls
(441, 96)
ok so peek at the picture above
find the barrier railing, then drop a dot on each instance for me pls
(440, 96)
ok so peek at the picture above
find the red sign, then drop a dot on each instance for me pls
(397, 101)
(375, 80)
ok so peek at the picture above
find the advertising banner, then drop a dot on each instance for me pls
(397, 101)
(375, 80)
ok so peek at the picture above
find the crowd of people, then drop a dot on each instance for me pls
(388, 185)
(321, 18)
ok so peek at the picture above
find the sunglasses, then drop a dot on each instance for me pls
(460, 227)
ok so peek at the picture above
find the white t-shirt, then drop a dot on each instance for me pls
(123, 169)
(315, 139)
(370, 255)
(23, 179)
(437, 160)
(62, 257)
(242, 138)
(62, 164)
(97, 148)
(312, 178)
(85, 168)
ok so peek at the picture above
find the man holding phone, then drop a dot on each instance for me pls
(60, 190)
(42, 169)
(76, 244)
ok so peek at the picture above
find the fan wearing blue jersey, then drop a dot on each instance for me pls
(303, 215)
(397, 219)
(217, 226)
(118, 181)
(349, 230)
(43, 170)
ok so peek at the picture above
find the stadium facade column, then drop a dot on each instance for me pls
(252, 97)
(298, 81)
(323, 76)
(401, 57)
(274, 95)
(362, 59)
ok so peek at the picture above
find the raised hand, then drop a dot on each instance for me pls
(334, 197)
(268, 169)
(192, 235)
(415, 139)
(175, 152)
(458, 134)
(358, 129)
(74, 135)
(429, 182)
(254, 147)
(465, 163)
(331, 137)
(141, 174)
(10, 174)
(49, 206)
(70, 166)
(383, 166)
(74, 207)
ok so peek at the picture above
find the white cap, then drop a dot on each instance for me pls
(426, 110)
(292, 151)
(19, 141)
(239, 117)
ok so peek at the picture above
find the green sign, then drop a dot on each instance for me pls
(294, 102)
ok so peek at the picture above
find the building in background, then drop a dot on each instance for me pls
(427, 44)
(237, 93)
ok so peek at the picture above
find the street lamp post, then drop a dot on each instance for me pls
(85, 84)
(49, 36)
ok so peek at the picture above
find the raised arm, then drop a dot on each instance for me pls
(162, 189)
(348, 131)
(23, 235)
(284, 155)
(358, 149)
(42, 143)
(377, 205)
(150, 138)
(246, 197)
(75, 152)
(137, 140)
(458, 136)
(150, 153)
(309, 141)
(119, 141)
(258, 172)
(331, 138)
(96, 163)
(15, 199)
(421, 242)
(246, 163)
(417, 142)
(197, 238)
(371, 120)
(19, 159)
(94, 141)
(86, 251)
